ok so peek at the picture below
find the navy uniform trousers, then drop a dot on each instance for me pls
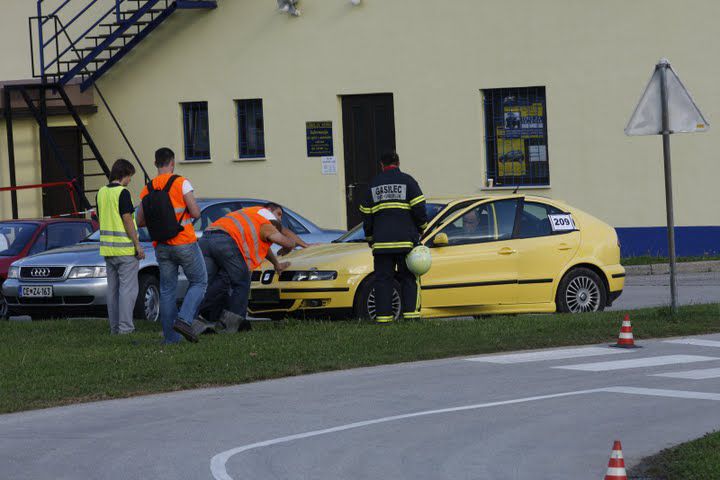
(389, 267)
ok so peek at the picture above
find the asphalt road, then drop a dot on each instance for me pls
(552, 414)
(654, 290)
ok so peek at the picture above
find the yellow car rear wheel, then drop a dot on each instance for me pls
(581, 290)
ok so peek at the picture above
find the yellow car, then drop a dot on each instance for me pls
(499, 254)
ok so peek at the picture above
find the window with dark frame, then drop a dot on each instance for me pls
(251, 128)
(196, 130)
(516, 137)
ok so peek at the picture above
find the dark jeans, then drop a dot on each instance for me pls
(222, 254)
(392, 266)
(217, 297)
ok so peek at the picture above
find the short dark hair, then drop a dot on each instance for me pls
(163, 157)
(389, 158)
(273, 206)
(121, 169)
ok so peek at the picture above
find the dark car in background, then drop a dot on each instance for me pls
(22, 238)
(74, 281)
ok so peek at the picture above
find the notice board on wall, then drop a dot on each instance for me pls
(319, 139)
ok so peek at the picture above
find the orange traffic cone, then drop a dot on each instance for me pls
(616, 465)
(625, 339)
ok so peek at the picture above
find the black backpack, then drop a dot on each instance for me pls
(159, 212)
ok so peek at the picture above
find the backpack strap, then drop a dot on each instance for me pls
(169, 183)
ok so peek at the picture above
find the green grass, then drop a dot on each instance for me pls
(648, 260)
(696, 460)
(59, 362)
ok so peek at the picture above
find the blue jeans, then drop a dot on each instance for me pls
(222, 254)
(190, 258)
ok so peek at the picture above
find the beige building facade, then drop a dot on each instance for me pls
(558, 80)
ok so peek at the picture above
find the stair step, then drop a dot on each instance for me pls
(89, 159)
(73, 62)
(92, 191)
(103, 36)
(133, 12)
(94, 175)
(115, 24)
(106, 49)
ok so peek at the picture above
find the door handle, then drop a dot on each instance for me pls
(564, 246)
(506, 251)
(350, 192)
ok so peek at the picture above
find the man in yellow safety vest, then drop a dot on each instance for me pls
(120, 246)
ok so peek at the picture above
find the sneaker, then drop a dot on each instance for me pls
(185, 330)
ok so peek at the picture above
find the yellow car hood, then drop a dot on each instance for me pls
(331, 256)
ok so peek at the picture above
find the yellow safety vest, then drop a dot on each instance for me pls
(114, 242)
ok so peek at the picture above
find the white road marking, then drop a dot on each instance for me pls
(692, 374)
(218, 463)
(638, 363)
(654, 392)
(695, 341)
(545, 355)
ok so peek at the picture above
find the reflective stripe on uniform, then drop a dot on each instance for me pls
(423, 226)
(112, 233)
(384, 318)
(411, 315)
(386, 206)
(117, 244)
(179, 210)
(381, 245)
(244, 246)
(417, 200)
(255, 236)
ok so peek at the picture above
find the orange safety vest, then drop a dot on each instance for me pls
(178, 202)
(244, 227)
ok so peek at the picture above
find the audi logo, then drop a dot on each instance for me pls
(40, 272)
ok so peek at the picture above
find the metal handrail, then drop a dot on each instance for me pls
(107, 107)
(42, 19)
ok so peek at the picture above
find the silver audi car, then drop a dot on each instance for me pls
(71, 281)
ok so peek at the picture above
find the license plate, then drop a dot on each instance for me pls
(36, 292)
(267, 296)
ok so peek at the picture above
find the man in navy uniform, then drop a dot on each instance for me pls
(394, 217)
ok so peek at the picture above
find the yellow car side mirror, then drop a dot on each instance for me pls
(441, 240)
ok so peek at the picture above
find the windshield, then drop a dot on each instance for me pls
(357, 235)
(143, 235)
(14, 237)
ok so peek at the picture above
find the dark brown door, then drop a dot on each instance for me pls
(368, 131)
(57, 200)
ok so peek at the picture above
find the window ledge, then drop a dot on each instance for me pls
(521, 187)
(243, 160)
(190, 162)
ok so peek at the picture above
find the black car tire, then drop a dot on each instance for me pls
(147, 305)
(364, 299)
(581, 290)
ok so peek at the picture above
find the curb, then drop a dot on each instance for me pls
(664, 268)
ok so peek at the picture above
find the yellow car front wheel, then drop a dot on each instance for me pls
(365, 301)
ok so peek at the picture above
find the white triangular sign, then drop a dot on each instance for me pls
(684, 115)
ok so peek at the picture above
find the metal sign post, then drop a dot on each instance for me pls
(666, 107)
(662, 68)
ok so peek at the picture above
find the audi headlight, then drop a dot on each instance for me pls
(313, 275)
(13, 272)
(88, 272)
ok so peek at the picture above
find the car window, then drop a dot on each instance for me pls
(214, 212)
(453, 209)
(293, 224)
(66, 234)
(534, 221)
(488, 222)
(40, 244)
(14, 237)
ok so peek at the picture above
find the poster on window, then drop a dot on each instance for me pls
(511, 157)
(524, 121)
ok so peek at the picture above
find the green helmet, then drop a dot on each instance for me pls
(419, 260)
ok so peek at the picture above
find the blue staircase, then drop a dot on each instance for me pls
(85, 38)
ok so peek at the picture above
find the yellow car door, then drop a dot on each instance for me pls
(475, 259)
(544, 249)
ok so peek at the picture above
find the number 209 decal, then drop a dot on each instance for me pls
(561, 222)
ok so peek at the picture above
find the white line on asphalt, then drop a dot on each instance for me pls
(218, 463)
(695, 341)
(654, 392)
(701, 374)
(638, 363)
(545, 355)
